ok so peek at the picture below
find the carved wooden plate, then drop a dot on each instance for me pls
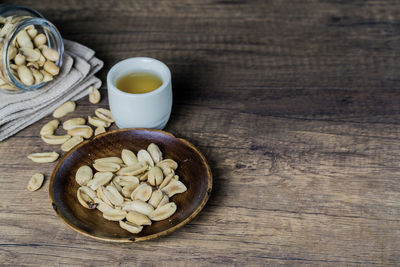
(193, 171)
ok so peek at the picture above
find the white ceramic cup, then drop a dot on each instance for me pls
(148, 110)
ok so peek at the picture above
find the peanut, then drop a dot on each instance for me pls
(51, 68)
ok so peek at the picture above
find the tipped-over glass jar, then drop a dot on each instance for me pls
(31, 49)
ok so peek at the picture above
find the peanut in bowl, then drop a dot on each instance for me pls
(193, 171)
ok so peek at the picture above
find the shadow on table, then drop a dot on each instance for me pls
(187, 82)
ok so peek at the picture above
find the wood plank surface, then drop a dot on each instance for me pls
(296, 106)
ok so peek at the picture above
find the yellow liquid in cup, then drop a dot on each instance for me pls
(138, 83)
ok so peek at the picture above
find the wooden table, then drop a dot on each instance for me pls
(296, 106)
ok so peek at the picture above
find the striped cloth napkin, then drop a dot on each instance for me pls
(18, 111)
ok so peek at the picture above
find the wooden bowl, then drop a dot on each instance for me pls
(193, 171)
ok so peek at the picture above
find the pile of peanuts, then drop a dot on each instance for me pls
(132, 189)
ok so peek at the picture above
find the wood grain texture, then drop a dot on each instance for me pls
(294, 104)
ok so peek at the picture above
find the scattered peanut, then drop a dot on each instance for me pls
(55, 139)
(43, 157)
(97, 122)
(94, 95)
(71, 123)
(64, 109)
(71, 143)
(35, 182)
(81, 130)
(104, 114)
(49, 127)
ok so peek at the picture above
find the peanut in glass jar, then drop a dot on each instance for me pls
(16, 25)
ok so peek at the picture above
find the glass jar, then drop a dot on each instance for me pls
(13, 21)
